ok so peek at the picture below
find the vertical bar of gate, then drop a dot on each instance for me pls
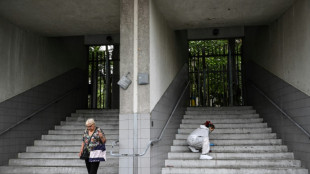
(243, 93)
(218, 50)
(103, 81)
(198, 77)
(230, 74)
(223, 76)
(108, 85)
(204, 76)
(97, 84)
(238, 75)
(99, 101)
(208, 81)
(234, 71)
(89, 80)
(94, 82)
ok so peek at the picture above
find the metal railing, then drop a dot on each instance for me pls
(159, 137)
(38, 111)
(278, 107)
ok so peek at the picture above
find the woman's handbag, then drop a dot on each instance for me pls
(98, 153)
(85, 154)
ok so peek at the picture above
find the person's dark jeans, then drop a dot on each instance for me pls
(92, 167)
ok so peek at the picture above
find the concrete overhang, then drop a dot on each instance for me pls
(63, 17)
(91, 17)
(193, 14)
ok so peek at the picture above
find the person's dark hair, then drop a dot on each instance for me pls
(208, 124)
(211, 126)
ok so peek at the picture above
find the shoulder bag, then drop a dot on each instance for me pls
(85, 154)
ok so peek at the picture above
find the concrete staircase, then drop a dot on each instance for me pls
(58, 151)
(243, 145)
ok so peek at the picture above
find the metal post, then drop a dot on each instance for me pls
(115, 77)
(108, 83)
(203, 99)
(231, 95)
(94, 80)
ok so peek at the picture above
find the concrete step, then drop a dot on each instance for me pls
(237, 149)
(91, 115)
(76, 127)
(72, 137)
(221, 136)
(236, 130)
(198, 112)
(223, 116)
(245, 170)
(65, 142)
(80, 132)
(232, 163)
(243, 145)
(234, 108)
(57, 155)
(96, 118)
(82, 123)
(53, 148)
(58, 148)
(233, 156)
(57, 162)
(227, 125)
(53, 170)
(235, 142)
(217, 121)
(97, 111)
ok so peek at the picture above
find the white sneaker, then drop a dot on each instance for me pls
(203, 157)
(193, 149)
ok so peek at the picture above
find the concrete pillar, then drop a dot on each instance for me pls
(134, 101)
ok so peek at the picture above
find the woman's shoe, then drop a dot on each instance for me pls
(193, 149)
(203, 157)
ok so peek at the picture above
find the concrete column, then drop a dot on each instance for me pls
(134, 102)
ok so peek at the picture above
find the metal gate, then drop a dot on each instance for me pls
(215, 73)
(103, 75)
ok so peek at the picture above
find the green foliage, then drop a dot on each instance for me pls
(96, 69)
(209, 71)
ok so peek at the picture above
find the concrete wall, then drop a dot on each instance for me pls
(160, 115)
(168, 53)
(101, 39)
(168, 77)
(147, 45)
(280, 67)
(293, 101)
(35, 70)
(28, 60)
(207, 33)
(283, 47)
(19, 107)
(134, 116)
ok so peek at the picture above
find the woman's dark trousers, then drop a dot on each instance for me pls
(92, 167)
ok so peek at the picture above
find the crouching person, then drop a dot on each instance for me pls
(199, 140)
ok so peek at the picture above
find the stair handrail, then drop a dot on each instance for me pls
(281, 110)
(56, 100)
(159, 137)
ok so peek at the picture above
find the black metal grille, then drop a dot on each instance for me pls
(215, 72)
(103, 74)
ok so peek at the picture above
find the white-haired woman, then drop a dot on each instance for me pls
(92, 137)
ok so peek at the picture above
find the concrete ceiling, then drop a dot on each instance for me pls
(192, 14)
(88, 17)
(63, 17)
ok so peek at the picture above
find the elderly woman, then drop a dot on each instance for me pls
(92, 137)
